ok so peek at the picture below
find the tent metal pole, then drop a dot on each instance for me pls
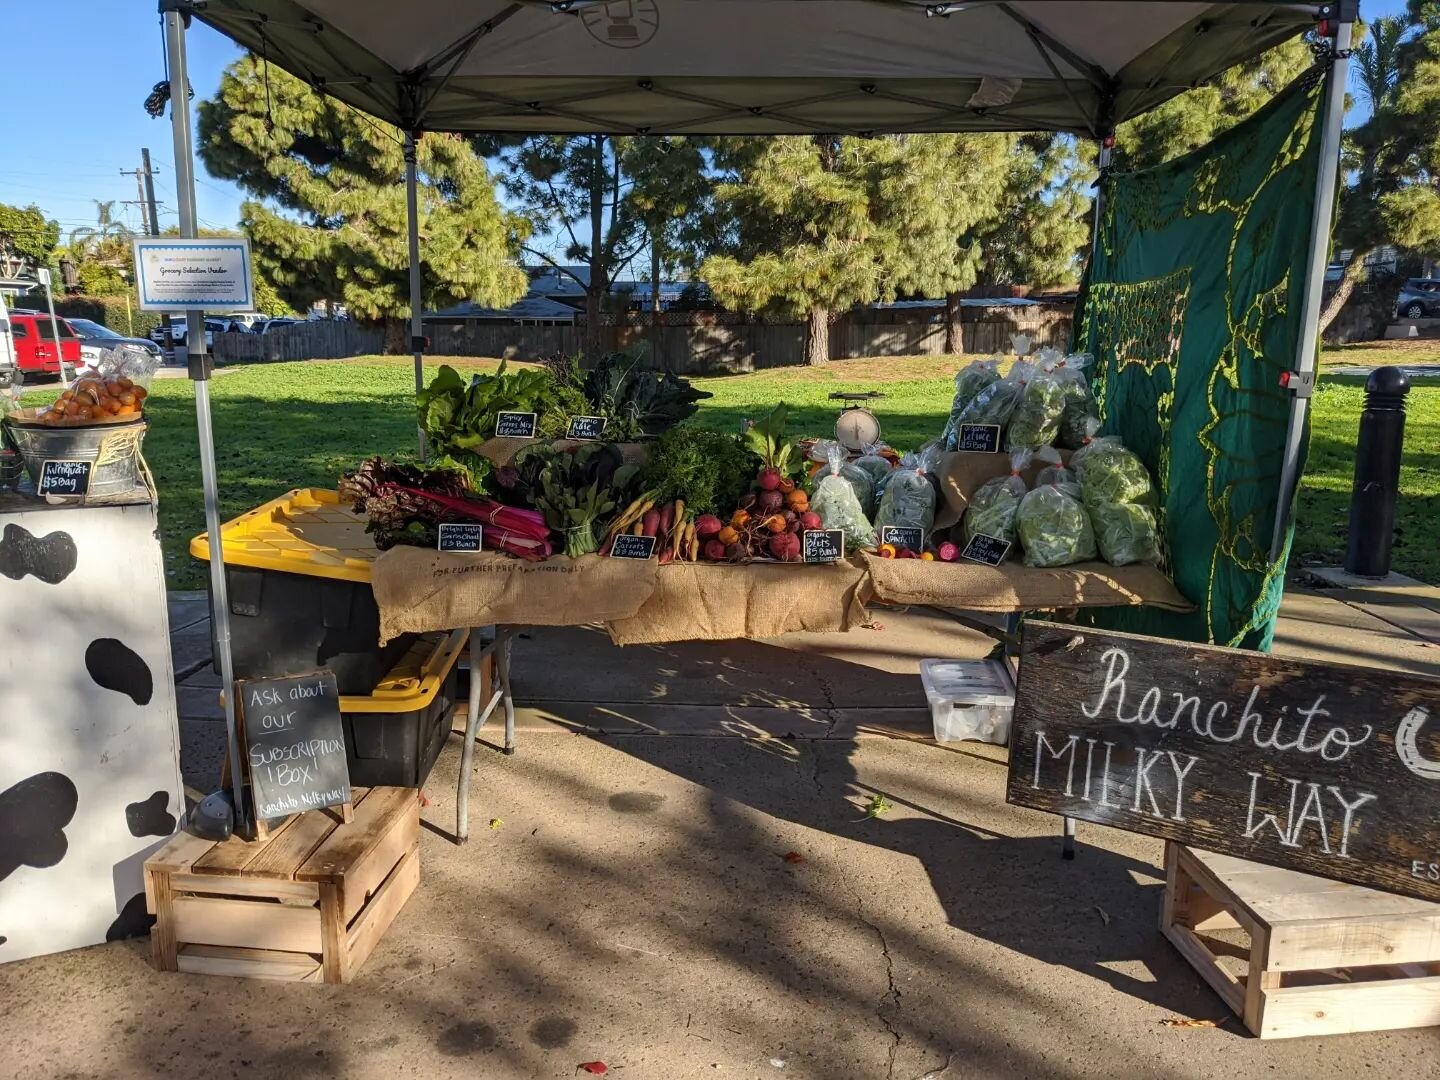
(1302, 379)
(412, 222)
(200, 372)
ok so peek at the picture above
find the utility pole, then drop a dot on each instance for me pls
(149, 214)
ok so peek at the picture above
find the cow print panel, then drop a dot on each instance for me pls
(33, 816)
(116, 666)
(133, 920)
(51, 559)
(150, 816)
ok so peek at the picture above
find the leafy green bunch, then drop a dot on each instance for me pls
(708, 469)
(637, 400)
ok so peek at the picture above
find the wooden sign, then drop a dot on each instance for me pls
(515, 425)
(460, 536)
(586, 427)
(990, 550)
(64, 477)
(823, 545)
(1323, 768)
(633, 547)
(294, 745)
(903, 536)
(978, 438)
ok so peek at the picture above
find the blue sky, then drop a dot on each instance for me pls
(88, 65)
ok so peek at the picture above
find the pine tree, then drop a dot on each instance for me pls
(328, 221)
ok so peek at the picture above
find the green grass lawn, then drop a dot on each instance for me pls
(279, 426)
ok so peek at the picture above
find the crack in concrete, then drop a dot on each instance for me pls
(890, 1000)
(932, 1074)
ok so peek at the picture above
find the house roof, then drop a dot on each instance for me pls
(529, 307)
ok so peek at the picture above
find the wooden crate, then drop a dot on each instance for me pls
(1323, 957)
(308, 903)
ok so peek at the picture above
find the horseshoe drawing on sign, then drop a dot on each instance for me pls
(1410, 756)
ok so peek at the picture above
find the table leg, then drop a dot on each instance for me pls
(1067, 844)
(502, 664)
(475, 719)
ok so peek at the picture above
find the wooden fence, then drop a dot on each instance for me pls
(702, 343)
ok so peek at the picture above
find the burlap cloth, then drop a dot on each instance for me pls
(419, 590)
(716, 602)
(1014, 587)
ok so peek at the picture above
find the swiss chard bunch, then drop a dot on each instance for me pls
(638, 400)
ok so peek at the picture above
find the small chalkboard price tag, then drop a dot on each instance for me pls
(990, 550)
(294, 744)
(515, 425)
(823, 545)
(903, 536)
(979, 438)
(633, 547)
(586, 427)
(460, 536)
(64, 478)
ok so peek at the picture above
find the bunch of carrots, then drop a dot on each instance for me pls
(676, 538)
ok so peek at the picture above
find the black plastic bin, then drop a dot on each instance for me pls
(394, 735)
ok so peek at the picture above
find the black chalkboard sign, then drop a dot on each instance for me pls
(978, 438)
(586, 427)
(1328, 769)
(515, 425)
(903, 536)
(823, 545)
(460, 536)
(633, 547)
(990, 550)
(294, 745)
(64, 477)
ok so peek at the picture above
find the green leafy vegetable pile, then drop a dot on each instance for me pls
(579, 490)
(637, 400)
(1037, 415)
(1053, 526)
(1117, 492)
(969, 382)
(708, 469)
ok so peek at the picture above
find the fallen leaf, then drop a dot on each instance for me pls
(794, 857)
(1104, 915)
(598, 1068)
(496, 822)
(1185, 1022)
(877, 805)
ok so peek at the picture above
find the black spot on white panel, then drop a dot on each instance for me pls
(116, 666)
(33, 816)
(150, 816)
(50, 558)
(133, 920)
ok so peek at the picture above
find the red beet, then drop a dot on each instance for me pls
(714, 550)
(747, 500)
(770, 502)
(769, 480)
(811, 520)
(708, 525)
(785, 547)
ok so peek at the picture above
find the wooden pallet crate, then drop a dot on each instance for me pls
(1322, 957)
(309, 903)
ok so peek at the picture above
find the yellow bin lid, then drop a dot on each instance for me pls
(416, 677)
(305, 531)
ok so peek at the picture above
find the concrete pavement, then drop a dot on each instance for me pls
(633, 902)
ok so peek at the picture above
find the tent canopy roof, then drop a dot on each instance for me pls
(754, 66)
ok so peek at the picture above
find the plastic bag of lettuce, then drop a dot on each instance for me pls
(970, 382)
(996, 503)
(1117, 491)
(1052, 522)
(1040, 405)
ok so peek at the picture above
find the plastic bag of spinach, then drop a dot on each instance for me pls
(859, 479)
(1052, 522)
(996, 502)
(1038, 411)
(838, 504)
(909, 498)
(969, 382)
(1117, 491)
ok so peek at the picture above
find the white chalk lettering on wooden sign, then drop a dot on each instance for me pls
(1323, 768)
(460, 536)
(294, 743)
(627, 546)
(515, 425)
(586, 427)
(61, 477)
(823, 545)
(909, 537)
(989, 550)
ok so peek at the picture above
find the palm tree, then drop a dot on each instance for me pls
(1377, 61)
(106, 228)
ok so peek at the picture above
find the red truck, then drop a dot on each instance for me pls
(33, 337)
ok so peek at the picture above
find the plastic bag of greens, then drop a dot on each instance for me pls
(909, 498)
(1116, 489)
(859, 479)
(996, 402)
(876, 466)
(1125, 532)
(970, 382)
(1036, 419)
(1053, 524)
(1074, 376)
(838, 504)
(996, 503)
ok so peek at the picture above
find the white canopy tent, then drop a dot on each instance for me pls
(783, 67)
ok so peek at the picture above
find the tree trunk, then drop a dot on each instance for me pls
(593, 348)
(397, 336)
(655, 303)
(954, 339)
(817, 336)
(1353, 271)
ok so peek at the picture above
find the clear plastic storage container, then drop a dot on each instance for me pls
(969, 699)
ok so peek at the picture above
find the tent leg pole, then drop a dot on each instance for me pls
(412, 223)
(1331, 119)
(200, 373)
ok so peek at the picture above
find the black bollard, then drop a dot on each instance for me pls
(1377, 473)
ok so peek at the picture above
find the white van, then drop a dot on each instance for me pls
(9, 369)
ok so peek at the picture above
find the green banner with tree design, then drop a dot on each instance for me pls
(1192, 308)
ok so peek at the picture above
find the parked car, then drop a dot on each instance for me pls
(33, 336)
(277, 322)
(9, 370)
(1419, 299)
(95, 338)
(216, 324)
